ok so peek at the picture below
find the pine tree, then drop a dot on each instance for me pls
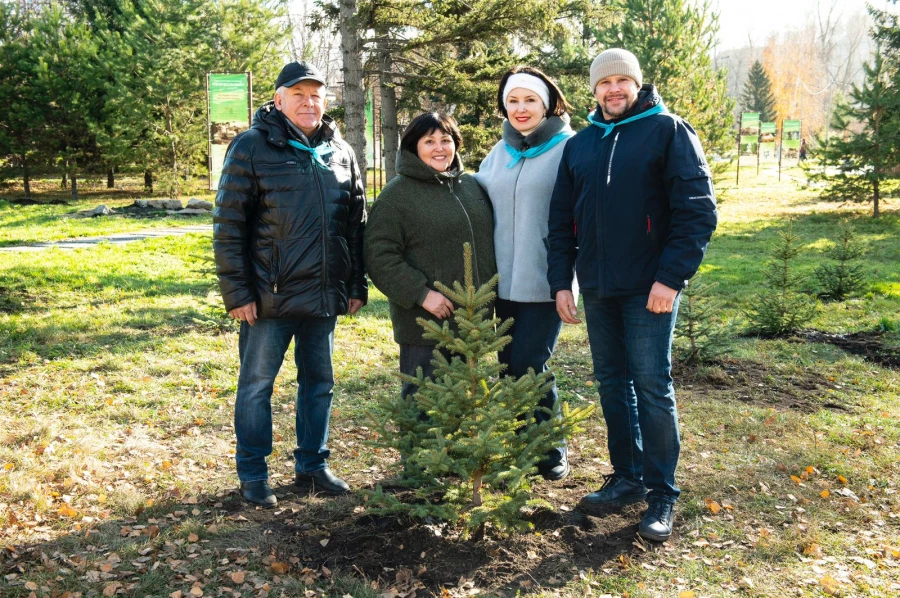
(462, 441)
(700, 337)
(845, 276)
(757, 95)
(781, 309)
(864, 145)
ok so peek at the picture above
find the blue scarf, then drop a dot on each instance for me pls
(314, 151)
(658, 109)
(536, 151)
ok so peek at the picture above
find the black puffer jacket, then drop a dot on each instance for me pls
(288, 233)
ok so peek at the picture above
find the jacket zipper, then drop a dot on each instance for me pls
(612, 153)
(315, 168)
(471, 232)
(276, 265)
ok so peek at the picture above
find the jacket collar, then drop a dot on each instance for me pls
(409, 164)
(279, 129)
(542, 134)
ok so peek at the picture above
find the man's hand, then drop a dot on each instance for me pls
(438, 305)
(245, 312)
(661, 299)
(565, 307)
(355, 305)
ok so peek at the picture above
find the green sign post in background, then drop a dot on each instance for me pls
(790, 140)
(228, 98)
(767, 140)
(748, 140)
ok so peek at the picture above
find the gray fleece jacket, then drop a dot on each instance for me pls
(521, 199)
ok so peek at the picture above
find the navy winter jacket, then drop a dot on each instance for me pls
(631, 208)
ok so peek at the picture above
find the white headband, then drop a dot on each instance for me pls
(529, 82)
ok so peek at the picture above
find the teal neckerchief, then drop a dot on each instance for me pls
(536, 151)
(658, 109)
(314, 151)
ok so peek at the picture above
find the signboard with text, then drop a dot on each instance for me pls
(767, 139)
(228, 102)
(749, 132)
(790, 138)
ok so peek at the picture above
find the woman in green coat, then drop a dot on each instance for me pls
(416, 230)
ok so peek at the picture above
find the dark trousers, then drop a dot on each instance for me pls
(632, 353)
(413, 357)
(534, 335)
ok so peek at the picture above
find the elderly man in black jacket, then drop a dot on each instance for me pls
(288, 231)
(632, 212)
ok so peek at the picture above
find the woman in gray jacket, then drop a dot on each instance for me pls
(518, 175)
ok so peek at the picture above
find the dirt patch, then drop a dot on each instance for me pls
(759, 384)
(398, 551)
(868, 345)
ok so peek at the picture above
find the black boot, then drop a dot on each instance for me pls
(258, 493)
(556, 465)
(323, 480)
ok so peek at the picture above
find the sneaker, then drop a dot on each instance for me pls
(657, 522)
(616, 491)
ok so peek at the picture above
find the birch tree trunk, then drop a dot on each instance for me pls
(389, 127)
(354, 91)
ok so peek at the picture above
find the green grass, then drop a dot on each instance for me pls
(118, 373)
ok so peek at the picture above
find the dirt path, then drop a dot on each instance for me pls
(115, 239)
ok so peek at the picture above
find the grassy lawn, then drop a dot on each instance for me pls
(117, 379)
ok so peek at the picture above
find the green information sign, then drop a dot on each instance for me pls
(749, 132)
(767, 133)
(749, 120)
(790, 134)
(228, 98)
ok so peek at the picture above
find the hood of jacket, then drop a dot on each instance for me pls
(647, 98)
(542, 134)
(409, 164)
(278, 129)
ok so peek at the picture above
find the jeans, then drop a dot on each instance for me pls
(262, 348)
(534, 335)
(632, 353)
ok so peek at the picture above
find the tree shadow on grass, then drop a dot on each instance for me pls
(307, 539)
(142, 330)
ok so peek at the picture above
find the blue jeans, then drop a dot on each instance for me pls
(534, 335)
(262, 348)
(632, 353)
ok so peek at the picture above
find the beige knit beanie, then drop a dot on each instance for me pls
(615, 61)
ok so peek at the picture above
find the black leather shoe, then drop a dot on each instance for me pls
(657, 522)
(258, 493)
(556, 466)
(617, 491)
(322, 480)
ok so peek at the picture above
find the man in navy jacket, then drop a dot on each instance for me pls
(632, 213)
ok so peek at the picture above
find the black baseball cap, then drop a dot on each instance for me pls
(295, 72)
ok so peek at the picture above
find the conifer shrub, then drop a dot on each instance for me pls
(468, 444)
(844, 276)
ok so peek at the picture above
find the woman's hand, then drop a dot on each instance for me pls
(438, 305)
